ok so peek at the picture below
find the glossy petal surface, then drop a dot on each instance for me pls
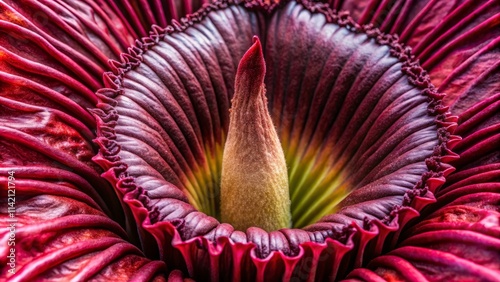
(52, 57)
(456, 41)
(459, 236)
(355, 116)
(53, 54)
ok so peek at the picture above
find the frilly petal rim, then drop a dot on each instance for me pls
(360, 241)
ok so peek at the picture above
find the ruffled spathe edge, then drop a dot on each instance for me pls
(353, 244)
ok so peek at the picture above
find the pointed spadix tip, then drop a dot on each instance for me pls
(252, 64)
(254, 176)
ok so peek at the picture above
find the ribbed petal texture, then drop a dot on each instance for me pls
(53, 55)
(456, 41)
(352, 109)
(458, 239)
(356, 114)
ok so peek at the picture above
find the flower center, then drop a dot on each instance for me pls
(355, 115)
(254, 180)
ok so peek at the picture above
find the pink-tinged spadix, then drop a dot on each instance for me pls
(254, 184)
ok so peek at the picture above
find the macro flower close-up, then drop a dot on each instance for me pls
(250, 140)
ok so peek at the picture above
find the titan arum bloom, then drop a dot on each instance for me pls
(251, 140)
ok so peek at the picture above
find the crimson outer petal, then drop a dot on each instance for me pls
(62, 233)
(53, 54)
(163, 81)
(456, 41)
(138, 15)
(458, 237)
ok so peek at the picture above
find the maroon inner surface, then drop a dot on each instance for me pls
(370, 108)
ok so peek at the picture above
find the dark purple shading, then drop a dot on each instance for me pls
(457, 237)
(167, 102)
(456, 41)
(53, 55)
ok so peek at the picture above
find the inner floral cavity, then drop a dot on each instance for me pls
(361, 127)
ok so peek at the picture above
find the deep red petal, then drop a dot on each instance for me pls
(164, 117)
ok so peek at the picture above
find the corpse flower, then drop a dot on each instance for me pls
(362, 131)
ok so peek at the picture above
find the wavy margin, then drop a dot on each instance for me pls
(352, 245)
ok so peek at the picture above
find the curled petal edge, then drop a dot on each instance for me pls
(353, 244)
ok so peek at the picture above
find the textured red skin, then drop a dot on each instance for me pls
(62, 233)
(456, 41)
(469, 69)
(458, 236)
(53, 54)
(193, 234)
